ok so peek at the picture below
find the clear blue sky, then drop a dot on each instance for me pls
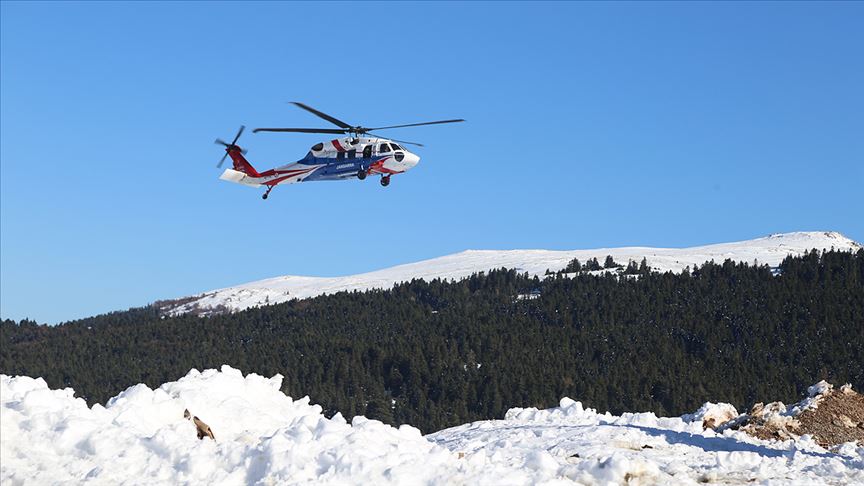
(589, 125)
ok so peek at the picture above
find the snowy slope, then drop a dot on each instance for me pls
(769, 250)
(264, 437)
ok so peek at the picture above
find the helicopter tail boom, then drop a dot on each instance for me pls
(241, 164)
(238, 177)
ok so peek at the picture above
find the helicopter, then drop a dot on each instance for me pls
(358, 155)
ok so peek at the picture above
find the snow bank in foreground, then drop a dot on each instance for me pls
(264, 437)
(141, 437)
(576, 444)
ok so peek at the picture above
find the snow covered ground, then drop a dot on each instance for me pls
(264, 437)
(770, 250)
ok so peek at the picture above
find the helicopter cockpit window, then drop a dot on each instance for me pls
(317, 147)
(384, 148)
(396, 147)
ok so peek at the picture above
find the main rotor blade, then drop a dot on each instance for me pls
(239, 132)
(335, 121)
(393, 139)
(300, 130)
(419, 124)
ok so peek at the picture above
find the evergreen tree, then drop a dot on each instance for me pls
(592, 265)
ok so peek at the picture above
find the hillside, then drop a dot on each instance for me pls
(437, 354)
(769, 250)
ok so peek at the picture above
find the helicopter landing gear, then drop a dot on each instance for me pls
(269, 188)
(385, 181)
(361, 174)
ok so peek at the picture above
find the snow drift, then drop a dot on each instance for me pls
(770, 250)
(140, 436)
(264, 437)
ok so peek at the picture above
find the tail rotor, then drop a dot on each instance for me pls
(230, 146)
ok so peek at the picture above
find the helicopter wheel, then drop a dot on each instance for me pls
(269, 188)
(361, 174)
(385, 181)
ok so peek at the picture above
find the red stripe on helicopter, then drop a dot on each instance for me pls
(336, 144)
(281, 179)
(276, 181)
(295, 171)
(286, 173)
(273, 172)
(383, 170)
(378, 168)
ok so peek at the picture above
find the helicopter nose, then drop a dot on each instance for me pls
(411, 159)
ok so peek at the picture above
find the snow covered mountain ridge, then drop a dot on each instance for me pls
(770, 250)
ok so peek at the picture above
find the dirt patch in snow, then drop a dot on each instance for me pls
(839, 418)
(832, 417)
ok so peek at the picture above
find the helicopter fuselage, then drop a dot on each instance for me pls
(337, 159)
(359, 155)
